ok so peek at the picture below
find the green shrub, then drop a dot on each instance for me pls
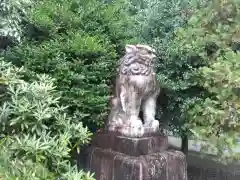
(36, 135)
(11, 16)
(208, 49)
(78, 43)
(158, 19)
(197, 44)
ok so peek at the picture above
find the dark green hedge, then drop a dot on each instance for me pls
(78, 43)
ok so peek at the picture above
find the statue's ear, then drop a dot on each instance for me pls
(130, 48)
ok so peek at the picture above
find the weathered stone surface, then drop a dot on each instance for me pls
(131, 146)
(146, 131)
(114, 157)
(136, 87)
(112, 165)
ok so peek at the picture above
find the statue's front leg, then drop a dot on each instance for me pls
(133, 108)
(149, 112)
(133, 125)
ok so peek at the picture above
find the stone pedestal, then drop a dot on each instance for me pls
(114, 157)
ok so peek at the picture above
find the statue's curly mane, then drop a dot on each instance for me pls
(136, 64)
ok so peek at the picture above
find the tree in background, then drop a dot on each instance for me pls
(157, 22)
(208, 50)
(198, 44)
(36, 135)
(12, 13)
(78, 43)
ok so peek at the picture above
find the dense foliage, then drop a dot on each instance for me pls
(197, 65)
(36, 135)
(208, 50)
(12, 13)
(77, 43)
(157, 22)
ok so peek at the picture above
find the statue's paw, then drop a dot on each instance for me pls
(136, 131)
(114, 125)
(132, 131)
(132, 128)
(154, 125)
(136, 123)
(112, 128)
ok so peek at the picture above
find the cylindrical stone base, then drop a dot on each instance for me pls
(120, 163)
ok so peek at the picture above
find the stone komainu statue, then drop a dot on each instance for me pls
(136, 87)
